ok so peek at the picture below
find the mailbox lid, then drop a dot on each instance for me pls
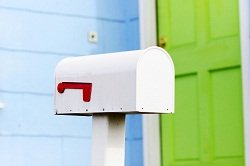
(155, 82)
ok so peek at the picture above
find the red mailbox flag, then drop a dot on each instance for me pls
(86, 88)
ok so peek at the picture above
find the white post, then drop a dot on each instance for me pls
(108, 139)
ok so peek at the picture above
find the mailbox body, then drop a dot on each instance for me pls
(139, 81)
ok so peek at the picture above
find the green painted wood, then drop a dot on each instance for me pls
(203, 39)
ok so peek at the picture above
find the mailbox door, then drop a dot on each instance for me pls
(203, 39)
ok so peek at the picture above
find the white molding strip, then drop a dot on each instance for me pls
(147, 17)
(151, 123)
(244, 9)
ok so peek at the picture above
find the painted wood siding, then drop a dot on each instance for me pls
(34, 36)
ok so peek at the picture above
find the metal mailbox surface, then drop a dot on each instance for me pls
(139, 81)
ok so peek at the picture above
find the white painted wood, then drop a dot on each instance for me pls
(139, 81)
(151, 140)
(244, 9)
(108, 140)
(147, 15)
(151, 124)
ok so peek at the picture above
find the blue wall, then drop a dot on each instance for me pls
(34, 36)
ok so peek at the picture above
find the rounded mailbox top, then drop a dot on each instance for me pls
(140, 81)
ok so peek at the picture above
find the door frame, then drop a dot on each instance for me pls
(150, 123)
(244, 12)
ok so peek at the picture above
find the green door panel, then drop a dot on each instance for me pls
(185, 124)
(226, 100)
(203, 39)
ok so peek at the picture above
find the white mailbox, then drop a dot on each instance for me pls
(125, 82)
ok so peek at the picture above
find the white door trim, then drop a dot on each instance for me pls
(147, 17)
(151, 123)
(244, 10)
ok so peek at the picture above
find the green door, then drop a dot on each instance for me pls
(202, 37)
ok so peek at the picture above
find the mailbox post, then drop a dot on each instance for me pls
(109, 86)
(108, 140)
